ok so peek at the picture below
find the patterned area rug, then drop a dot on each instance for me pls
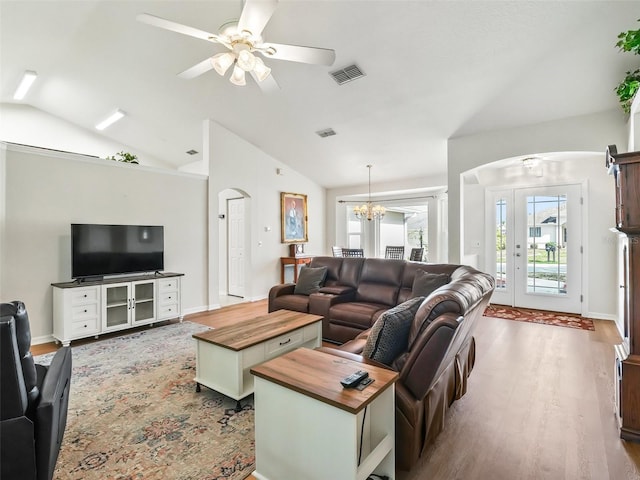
(134, 413)
(539, 316)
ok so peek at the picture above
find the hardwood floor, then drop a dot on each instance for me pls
(539, 405)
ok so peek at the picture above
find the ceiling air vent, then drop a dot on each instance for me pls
(347, 74)
(191, 152)
(327, 132)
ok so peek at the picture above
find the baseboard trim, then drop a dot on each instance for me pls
(42, 339)
(601, 316)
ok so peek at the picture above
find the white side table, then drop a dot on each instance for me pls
(308, 426)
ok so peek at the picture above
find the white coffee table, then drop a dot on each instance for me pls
(225, 355)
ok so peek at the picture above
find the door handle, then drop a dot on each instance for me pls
(517, 254)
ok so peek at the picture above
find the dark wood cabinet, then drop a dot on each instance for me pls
(625, 168)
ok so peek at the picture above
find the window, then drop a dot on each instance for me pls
(354, 230)
(535, 232)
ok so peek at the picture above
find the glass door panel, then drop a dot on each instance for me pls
(546, 255)
(548, 263)
(116, 305)
(143, 301)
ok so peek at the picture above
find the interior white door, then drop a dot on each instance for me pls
(538, 248)
(235, 242)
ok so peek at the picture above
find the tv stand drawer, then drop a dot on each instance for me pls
(85, 295)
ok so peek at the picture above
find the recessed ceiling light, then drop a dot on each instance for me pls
(25, 84)
(114, 117)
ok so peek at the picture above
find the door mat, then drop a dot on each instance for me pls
(539, 316)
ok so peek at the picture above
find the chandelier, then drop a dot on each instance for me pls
(369, 210)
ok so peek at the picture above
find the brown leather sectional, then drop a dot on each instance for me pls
(441, 349)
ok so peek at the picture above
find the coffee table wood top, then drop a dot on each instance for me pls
(247, 333)
(317, 374)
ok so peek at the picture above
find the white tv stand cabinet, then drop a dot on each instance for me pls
(89, 308)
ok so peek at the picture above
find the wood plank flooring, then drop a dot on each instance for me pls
(539, 405)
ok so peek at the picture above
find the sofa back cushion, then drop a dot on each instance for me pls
(380, 281)
(350, 271)
(333, 265)
(425, 283)
(18, 311)
(409, 273)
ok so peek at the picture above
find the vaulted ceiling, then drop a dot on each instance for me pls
(433, 70)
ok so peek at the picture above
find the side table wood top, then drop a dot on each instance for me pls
(317, 374)
(251, 332)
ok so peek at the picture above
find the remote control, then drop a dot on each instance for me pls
(354, 379)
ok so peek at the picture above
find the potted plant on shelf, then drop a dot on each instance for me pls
(124, 157)
(629, 41)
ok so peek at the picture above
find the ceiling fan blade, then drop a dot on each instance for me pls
(198, 69)
(268, 85)
(295, 53)
(255, 15)
(176, 27)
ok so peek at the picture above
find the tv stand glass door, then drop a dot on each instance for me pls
(128, 304)
(117, 306)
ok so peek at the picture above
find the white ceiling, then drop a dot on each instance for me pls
(433, 70)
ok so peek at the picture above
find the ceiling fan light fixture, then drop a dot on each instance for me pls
(261, 70)
(222, 61)
(246, 60)
(237, 77)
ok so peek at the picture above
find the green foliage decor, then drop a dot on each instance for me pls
(124, 157)
(628, 41)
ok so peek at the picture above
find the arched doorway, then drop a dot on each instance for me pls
(534, 230)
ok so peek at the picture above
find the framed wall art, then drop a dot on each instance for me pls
(294, 217)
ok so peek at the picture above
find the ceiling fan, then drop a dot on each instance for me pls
(243, 39)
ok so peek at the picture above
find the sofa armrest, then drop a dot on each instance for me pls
(337, 289)
(431, 353)
(320, 303)
(52, 410)
(278, 290)
(357, 344)
(352, 356)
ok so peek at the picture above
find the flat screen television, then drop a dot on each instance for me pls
(99, 250)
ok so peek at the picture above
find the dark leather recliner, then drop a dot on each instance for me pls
(33, 402)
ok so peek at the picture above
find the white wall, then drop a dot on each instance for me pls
(44, 192)
(591, 133)
(26, 125)
(236, 164)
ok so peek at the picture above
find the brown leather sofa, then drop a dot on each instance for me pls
(357, 291)
(441, 349)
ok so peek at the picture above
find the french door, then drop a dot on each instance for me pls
(536, 247)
